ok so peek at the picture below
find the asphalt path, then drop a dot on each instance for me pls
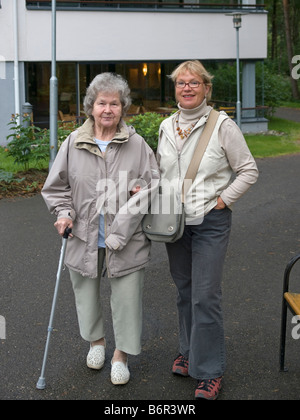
(265, 236)
(292, 114)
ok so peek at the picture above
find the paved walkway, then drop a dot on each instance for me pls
(292, 114)
(265, 235)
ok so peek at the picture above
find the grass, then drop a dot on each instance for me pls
(7, 163)
(283, 138)
(295, 104)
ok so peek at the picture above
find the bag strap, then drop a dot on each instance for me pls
(200, 149)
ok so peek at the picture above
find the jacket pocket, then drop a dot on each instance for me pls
(80, 229)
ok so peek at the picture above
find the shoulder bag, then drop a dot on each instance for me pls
(165, 221)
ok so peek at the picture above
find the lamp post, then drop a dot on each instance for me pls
(237, 24)
(53, 92)
(16, 62)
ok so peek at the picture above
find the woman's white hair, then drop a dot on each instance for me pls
(107, 83)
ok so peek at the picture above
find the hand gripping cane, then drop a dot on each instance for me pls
(41, 384)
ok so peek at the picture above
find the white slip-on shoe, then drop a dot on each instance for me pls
(120, 374)
(96, 357)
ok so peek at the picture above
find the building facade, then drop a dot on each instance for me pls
(142, 40)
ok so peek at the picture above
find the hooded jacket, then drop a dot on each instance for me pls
(82, 181)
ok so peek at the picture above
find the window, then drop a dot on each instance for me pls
(150, 89)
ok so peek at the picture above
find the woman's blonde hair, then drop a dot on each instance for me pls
(197, 68)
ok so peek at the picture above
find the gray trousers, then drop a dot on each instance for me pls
(126, 307)
(196, 265)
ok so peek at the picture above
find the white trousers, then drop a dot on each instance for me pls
(126, 307)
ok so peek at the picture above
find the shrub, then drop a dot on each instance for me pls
(27, 142)
(147, 126)
(30, 144)
(275, 87)
(63, 131)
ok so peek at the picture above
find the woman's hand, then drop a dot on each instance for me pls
(62, 224)
(135, 190)
(220, 205)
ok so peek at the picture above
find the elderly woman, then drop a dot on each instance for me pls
(100, 185)
(196, 260)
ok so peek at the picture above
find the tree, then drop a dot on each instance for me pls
(274, 53)
(288, 36)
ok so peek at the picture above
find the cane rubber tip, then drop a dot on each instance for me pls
(41, 384)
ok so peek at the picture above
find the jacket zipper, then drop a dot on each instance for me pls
(105, 222)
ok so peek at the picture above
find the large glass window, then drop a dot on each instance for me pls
(151, 90)
(38, 89)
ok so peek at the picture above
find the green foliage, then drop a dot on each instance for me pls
(274, 87)
(224, 82)
(63, 131)
(29, 145)
(7, 178)
(27, 142)
(147, 126)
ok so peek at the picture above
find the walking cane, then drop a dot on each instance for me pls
(41, 384)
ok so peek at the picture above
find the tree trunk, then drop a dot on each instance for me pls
(294, 83)
(274, 31)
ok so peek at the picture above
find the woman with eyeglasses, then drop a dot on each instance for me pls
(197, 258)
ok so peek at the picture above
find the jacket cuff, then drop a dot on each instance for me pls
(225, 199)
(112, 243)
(69, 214)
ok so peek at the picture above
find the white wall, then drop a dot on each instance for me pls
(111, 36)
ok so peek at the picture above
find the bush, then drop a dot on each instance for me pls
(275, 87)
(27, 142)
(271, 88)
(224, 82)
(63, 131)
(147, 126)
(31, 145)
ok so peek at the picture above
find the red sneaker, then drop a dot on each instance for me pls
(208, 389)
(181, 366)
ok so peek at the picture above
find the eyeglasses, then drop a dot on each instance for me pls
(193, 85)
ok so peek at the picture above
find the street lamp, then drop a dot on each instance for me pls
(237, 24)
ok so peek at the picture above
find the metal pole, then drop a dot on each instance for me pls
(53, 92)
(41, 384)
(238, 104)
(16, 62)
(77, 90)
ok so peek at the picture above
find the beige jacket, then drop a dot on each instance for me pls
(82, 182)
(227, 154)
